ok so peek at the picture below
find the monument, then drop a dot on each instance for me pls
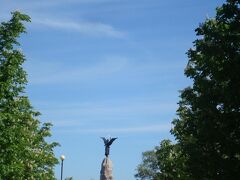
(106, 167)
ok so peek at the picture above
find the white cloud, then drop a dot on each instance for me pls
(54, 73)
(116, 112)
(67, 123)
(116, 109)
(137, 129)
(57, 72)
(83, 27)
(35, 5)
(50, 20)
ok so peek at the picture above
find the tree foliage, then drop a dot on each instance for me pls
(24, 152)
(171, 162)
(164, 162)
(148, 169)
(208, 127)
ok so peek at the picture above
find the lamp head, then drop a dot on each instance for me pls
(62, 157)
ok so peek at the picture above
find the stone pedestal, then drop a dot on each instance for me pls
(106, 169)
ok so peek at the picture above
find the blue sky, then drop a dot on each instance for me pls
(107, 68)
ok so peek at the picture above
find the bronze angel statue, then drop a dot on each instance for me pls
(107, 143)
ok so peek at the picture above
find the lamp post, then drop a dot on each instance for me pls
(62, 157)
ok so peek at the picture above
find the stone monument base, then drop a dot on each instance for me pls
(106, 169)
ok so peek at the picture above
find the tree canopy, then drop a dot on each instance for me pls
(165, 161)
(148, 169)
(207, 129)
(24, 152)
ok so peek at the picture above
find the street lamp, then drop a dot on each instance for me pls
(62, 157)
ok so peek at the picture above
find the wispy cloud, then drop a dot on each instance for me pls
(112, 109)
(41, 14)
(83, 27)
(36, 5)
(54, 73)
(67, 123)
(137, 129)
(110, 116)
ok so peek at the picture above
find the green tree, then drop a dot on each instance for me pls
(24, 152)
(171, 161)
(148, 169)
(164, 162)
(208, 124)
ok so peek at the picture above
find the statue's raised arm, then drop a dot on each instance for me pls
(107, 143)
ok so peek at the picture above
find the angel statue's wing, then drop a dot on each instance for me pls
(104, 139)
(111, 141)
